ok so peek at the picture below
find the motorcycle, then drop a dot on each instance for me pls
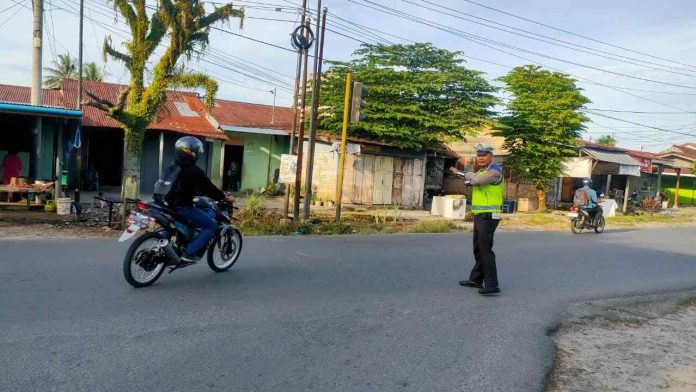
(581, 220)
(167, 237)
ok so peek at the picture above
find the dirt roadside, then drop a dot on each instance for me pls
(645, 343)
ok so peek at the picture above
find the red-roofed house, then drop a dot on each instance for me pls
(257, 136)
(20, 131)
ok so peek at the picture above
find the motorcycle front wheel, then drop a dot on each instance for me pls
(224, 251)
(142, 266)
(599, 228)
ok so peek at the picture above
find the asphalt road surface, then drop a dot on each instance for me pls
(349, 313)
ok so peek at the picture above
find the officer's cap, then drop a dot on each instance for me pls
(483, 149)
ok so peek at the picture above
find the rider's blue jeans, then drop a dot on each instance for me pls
(198, 219)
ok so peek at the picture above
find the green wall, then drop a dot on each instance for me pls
(687, 189)
(215, 163)
(47, 156)
(255, 165)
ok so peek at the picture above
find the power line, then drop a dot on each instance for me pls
(564, 44)
(475, 38)
(575, 34)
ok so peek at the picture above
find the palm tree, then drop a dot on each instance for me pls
(63, 68)
(91, 71)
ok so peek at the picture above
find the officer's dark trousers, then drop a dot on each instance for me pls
(484, 271)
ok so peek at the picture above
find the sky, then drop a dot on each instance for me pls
(640, 72)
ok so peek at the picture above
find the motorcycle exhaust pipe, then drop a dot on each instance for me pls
(169, 251)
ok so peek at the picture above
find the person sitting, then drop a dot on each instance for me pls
(586, 198)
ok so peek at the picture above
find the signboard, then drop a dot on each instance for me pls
(351, 148)
(578, 167)
(629, 170)
(645, 165)
(288, 169)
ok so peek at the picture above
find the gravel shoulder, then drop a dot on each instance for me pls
(630, 344)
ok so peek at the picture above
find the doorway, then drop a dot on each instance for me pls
(232, 173)
(106, 155)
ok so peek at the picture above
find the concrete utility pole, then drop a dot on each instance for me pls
(274, 92)
(78, 149)
(298, 74)
(313, 120)
(37, 46)
(300, 136)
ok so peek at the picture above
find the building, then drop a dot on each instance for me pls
(38, 149)
(257, 135)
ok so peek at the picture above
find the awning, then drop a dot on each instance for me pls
(257, 131)
(613, 162)
(45, 111)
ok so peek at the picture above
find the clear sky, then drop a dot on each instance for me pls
(248, 70)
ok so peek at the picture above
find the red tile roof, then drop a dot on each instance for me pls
(170, 118)
(21, 94)
(251, 115)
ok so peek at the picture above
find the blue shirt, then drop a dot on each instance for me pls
(593, 197)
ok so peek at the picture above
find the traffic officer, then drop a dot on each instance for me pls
(486, 205)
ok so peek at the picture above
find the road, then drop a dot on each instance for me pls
(349, 313)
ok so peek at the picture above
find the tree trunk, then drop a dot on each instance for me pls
(541, 198)
(130, 183)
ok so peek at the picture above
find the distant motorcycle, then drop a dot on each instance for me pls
(151, 253)
(581, 220)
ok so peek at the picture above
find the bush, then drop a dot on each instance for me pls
(254, 205)
(334, 228)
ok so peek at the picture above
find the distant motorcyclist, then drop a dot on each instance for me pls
(586, 198)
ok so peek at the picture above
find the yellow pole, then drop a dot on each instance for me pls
(344, 136)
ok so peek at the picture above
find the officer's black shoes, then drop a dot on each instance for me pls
(470, 283)
(489, 291)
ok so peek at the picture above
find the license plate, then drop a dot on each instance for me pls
(573, 214)
(138, 221)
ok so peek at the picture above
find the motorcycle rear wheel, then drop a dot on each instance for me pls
(576, 225)
(138, 270)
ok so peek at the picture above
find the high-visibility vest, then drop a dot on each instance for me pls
(487, 198)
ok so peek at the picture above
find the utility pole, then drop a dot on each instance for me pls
(274, 92)
(300, 137)
(313, 120)
(37, 46)
(78, 148)
(344, 136)
(298, 73)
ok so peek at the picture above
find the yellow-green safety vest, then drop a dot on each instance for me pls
(487, 198)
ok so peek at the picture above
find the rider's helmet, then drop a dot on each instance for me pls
(587, 182)
(188, 147)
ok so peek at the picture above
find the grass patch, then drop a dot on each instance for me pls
(433, 226)
(633, 220)
(687, 303)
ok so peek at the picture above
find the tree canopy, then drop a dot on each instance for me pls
(541, 125)
(181, 27)
(606, 140)
(418, 95)
(91, 71)
(64, 67)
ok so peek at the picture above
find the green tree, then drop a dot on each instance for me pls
(182, 27)
(607, 140)
(541, 125)
(418, 95)
(91, 71)
(65, 67)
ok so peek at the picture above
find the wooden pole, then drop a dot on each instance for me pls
(344, 136)
(676, 191)
(627, 195)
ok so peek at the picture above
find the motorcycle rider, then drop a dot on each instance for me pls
(591, 205)
(192, 180)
